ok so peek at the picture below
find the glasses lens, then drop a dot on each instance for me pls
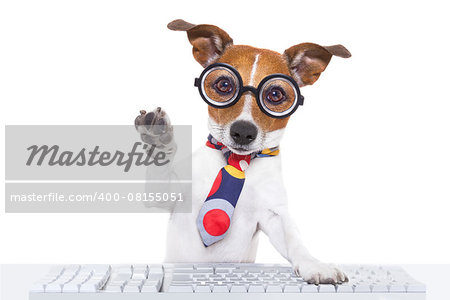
(220, 86)
(278, 96)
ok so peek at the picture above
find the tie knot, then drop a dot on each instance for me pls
(240, 162)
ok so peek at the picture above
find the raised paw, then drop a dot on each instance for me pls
(316, 272)
(154, 127)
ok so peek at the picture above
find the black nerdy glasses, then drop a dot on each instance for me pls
(220, 85)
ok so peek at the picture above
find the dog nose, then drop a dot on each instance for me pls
(243, 132)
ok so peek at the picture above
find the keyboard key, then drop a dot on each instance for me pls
(131, 289)
(89, 287)
(113, 288)
(345, 288)
(140, 272)
(380, 288)
(204, 265)
(155, 277)
(220, 289)
(55, 272)
(256, 288)
(274, 288)
(362, 288)
(397, 288)
(124, 270)
(291, 288)
(181, 289)
(156, 283)
(149, 289)
(238, 289)
(310, 288)
(71, 270)
(203, 289)
(187, 271)
(120, 277)
(72, 287)
(135, 282)
(155, 269)
(225, 265)
(327, 288)
(68, 273)
(101, 270)
(205, 268)
(182, 277)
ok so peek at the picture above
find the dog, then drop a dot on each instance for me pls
(244, 126)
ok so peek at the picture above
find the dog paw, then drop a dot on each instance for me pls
(154, 127)
(316, 272)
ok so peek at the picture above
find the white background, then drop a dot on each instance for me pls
(366, 159)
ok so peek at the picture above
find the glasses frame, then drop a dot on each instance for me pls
(199, 83)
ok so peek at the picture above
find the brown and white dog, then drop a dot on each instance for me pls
(262, 204)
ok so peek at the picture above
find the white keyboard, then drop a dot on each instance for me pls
(219, 281)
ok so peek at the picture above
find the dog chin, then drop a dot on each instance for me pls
(241, 150)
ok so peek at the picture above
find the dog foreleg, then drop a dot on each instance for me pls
(285, 237)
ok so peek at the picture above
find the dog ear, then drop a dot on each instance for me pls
(208, 41)
(307, 61)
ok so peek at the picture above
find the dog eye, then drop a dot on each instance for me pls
(275, 95)
(223, 85)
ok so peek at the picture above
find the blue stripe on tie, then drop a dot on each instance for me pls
(230, 188)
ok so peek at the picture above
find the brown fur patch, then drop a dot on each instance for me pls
(242, 59)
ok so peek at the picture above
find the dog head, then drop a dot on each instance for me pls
(244, 127)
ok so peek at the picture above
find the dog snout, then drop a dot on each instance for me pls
(243, 132)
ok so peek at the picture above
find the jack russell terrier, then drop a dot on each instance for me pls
(251, 94)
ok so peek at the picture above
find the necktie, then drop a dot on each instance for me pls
(214, 218)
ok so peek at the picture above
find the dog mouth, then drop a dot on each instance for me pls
(222, 134)
(241, 149)
(238, 149)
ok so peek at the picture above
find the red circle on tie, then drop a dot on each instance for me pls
(216, 222)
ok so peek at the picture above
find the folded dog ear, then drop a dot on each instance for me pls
(208, 41)
(307, 61)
